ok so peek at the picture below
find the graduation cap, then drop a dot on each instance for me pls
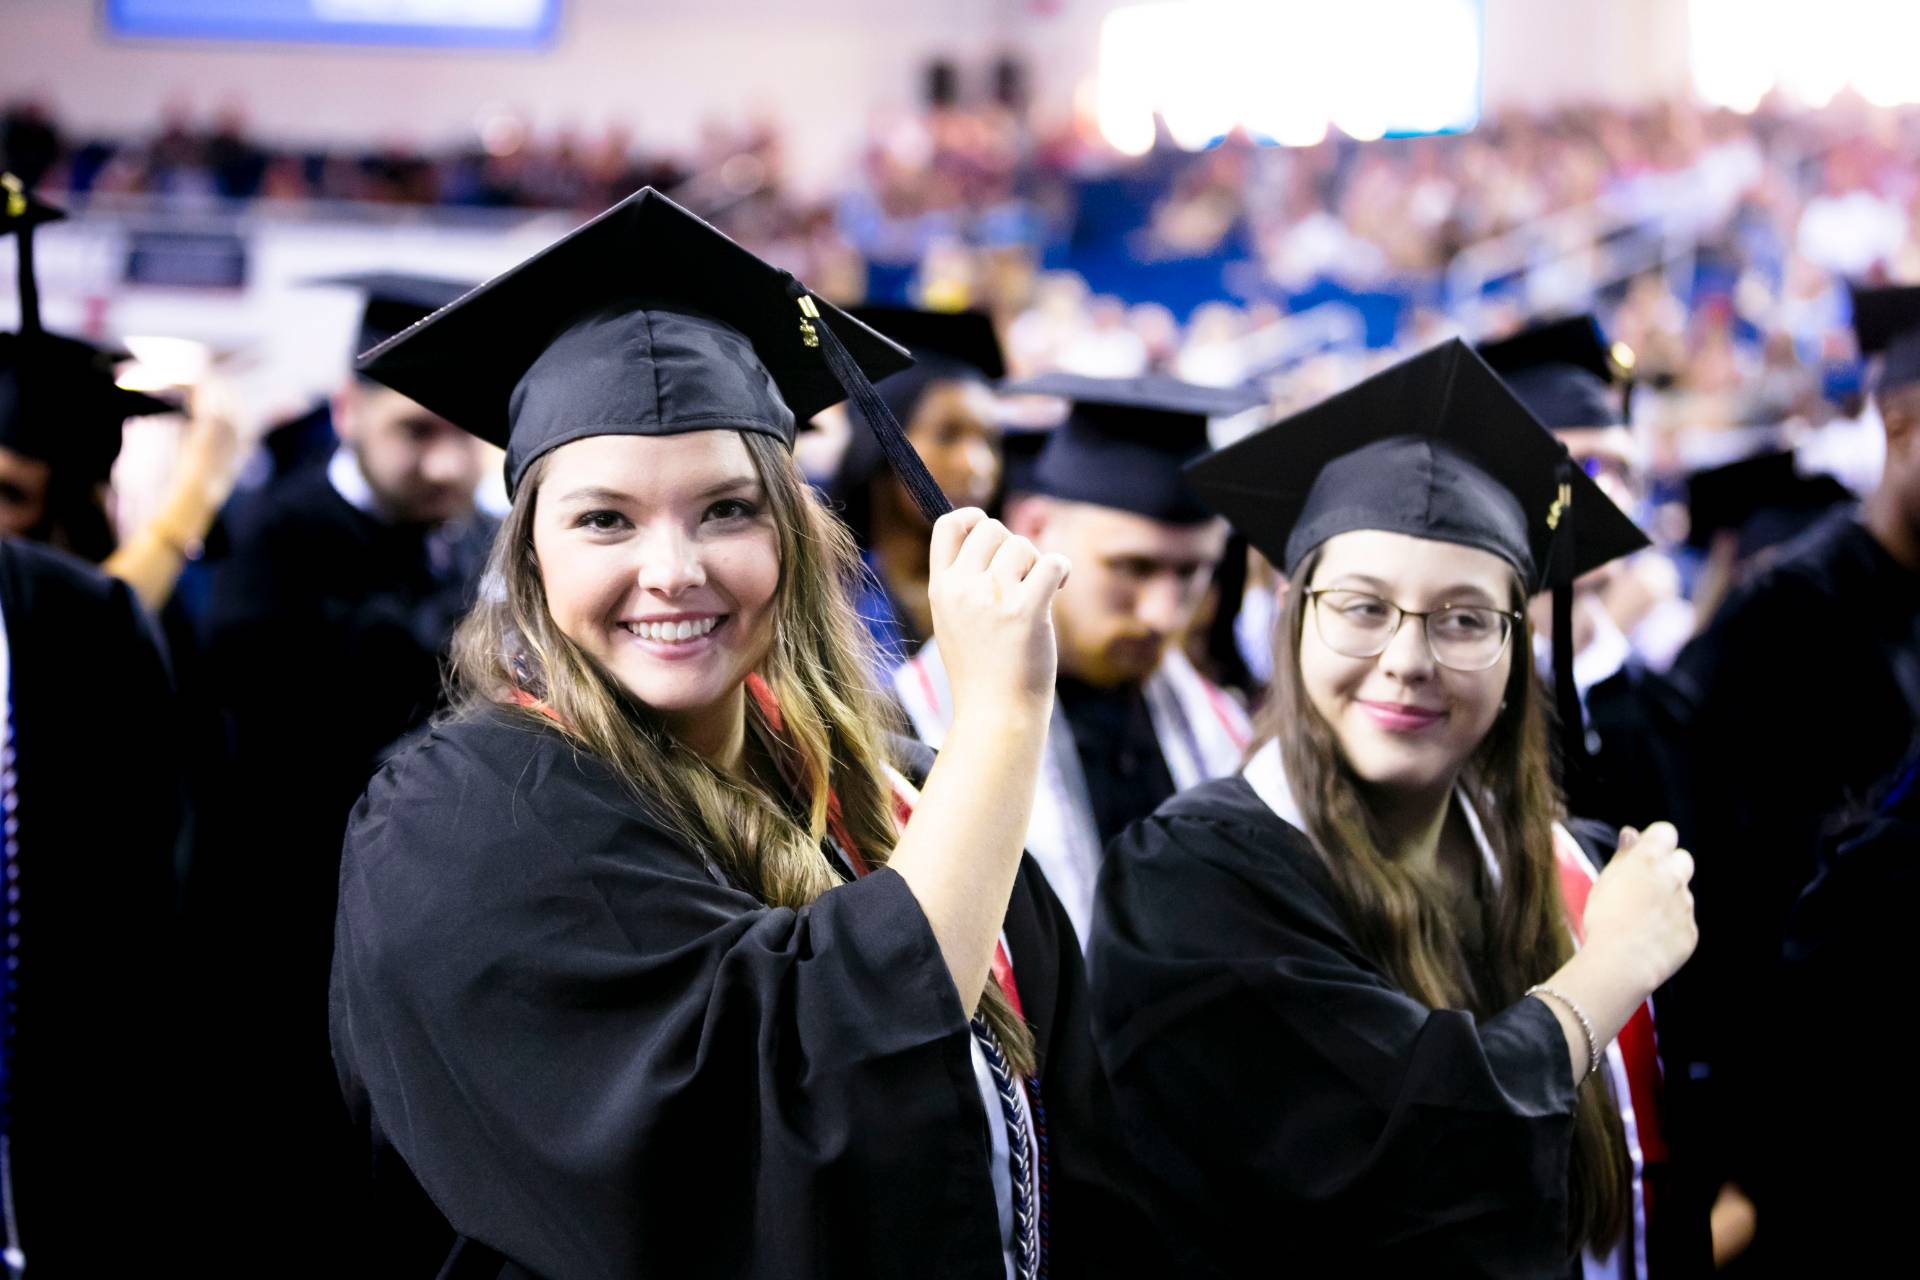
(960, 342)
(59, 402)
(395, 301)
(1020, 449)
(1436, 446)
(1763, 498)
(1886, 320)
(1125, 441)
(947, 346)
(1562, 370)
(644, 321)
(20, 212)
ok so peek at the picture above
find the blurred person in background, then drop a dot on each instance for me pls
(946, 404)
(92, 1065)
(62, 418)
(1134, 721)
(93, 827)
(340, 592)
(1835, 1206)
(1802, 694)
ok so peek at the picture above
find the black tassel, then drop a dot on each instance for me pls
(1559, 579)
(905, 462)
(29, 284)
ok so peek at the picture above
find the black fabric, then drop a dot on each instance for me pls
(96, 1125)
(1562, 370)
(631, 369)
(1887, 321)
(1415, 486)
(395, 301)
(599, 1059)
(326, 633)
(1282, 488)
(1836, 1208)
(1574, 342)
(474, 363)
(1564, 397)
(59, 402)
(1120, 758)
(1632, 720)
(1763, 498)
(1302, 1114)
(1800, 698)
(1125, 441)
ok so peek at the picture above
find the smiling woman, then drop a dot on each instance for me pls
(1380, 942)
(652, 958)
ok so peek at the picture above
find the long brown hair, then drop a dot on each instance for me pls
(833, 739)
(1403, 919)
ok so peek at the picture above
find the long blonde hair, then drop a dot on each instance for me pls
(833, 740)
(1402, 919)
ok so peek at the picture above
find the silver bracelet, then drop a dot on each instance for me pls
(1579, 1016)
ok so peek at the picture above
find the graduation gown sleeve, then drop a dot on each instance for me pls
(1300, 1111)
(599, 1060)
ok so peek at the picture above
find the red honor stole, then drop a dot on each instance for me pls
(1639, 1049)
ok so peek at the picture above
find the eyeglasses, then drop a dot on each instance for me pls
(1358, 624)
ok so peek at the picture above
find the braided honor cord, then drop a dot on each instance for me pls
(1029, 1185)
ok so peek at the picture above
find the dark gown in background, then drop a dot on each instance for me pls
(597, 1058)
(1303, 1115)
(1843, 1194)
(94, 1070)
(325, 639)
(1802, 695)
(1624, 779)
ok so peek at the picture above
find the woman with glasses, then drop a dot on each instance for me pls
(1368, 1005)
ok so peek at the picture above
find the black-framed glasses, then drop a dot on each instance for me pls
(1359, 624)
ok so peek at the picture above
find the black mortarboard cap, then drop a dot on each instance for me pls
(947, 346)
(1886, 319)
(962, 339)
(644, 321)
(1020, 449)
(20, 212)
(1435, 446)
(1763, 498)
(1125, 441)
(59, 402)
(1562, 370)
(395, 301)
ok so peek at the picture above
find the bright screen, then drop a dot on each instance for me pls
(1288, 70)
(491, 24)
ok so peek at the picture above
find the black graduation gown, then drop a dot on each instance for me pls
(326, 633)
(1802, 694)
(1304, 1116)
(598, 1059)
(1625, 778)
(99, 803)
(1840, 1207)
